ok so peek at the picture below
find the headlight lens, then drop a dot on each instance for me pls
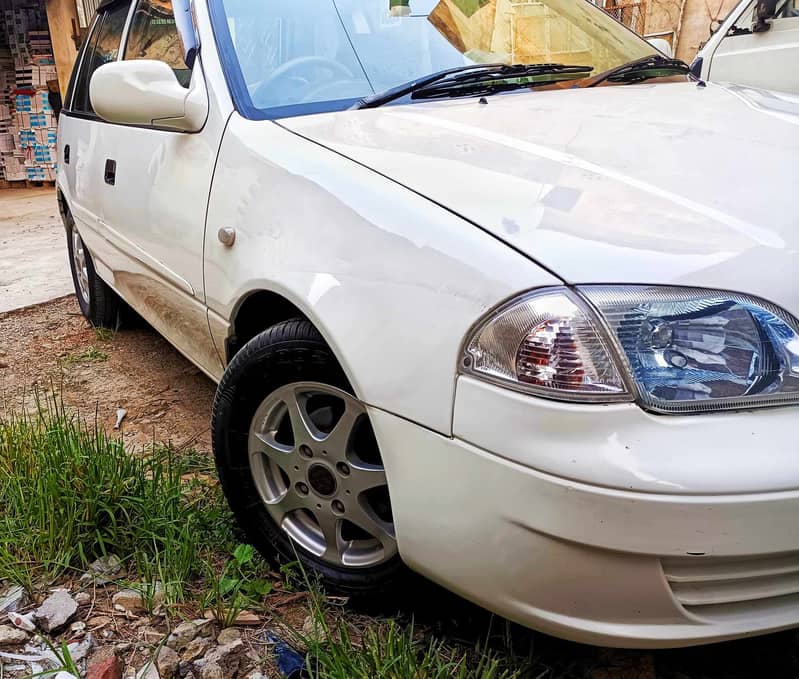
(547, 343)
(692, 350)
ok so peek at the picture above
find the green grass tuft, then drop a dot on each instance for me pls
(70, 494)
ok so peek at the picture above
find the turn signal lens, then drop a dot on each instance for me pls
(546, 343)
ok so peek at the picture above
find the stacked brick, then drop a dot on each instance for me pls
(27, 121)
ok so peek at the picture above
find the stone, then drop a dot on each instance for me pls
(123, 647)
(182, 635)
(212, 671)
(256, 674)
(12, 636)
(104, 665)
(77, 627)
(228, 636)
(13, 600)
(129, 600)
(83, 598)
(56, 611)
(167, 662)
(228, 657)
(102, 571)
(99, 621)
(196, 648)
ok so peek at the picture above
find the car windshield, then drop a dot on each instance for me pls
(300, 56)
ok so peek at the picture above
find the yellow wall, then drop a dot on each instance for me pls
(60, 14)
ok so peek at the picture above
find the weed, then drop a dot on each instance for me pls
(90, 355)
(237, 587)
(71, 494)
(103, 334)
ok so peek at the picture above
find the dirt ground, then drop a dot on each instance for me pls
(33, 251)
(52, 347)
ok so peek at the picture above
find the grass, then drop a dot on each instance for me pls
(90, 355)
(388, 651)
(70, 494)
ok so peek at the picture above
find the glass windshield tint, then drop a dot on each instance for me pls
(302, 52)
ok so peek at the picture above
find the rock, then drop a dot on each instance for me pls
(167, 662)
(104, 665)
(196, 648)
(99, 621)
(256, 674)
(123, 647)
(56, 611)
(182, 636)
(227, 657)
(102, 571)
(212, 671)
(22, 621)
(12, 636)
(129, 600)
(83, 598)
(13, 600)
(77, 627)
(228, 636)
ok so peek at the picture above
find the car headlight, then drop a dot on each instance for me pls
(676, 350)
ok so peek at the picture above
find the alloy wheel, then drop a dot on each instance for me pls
(316, 464)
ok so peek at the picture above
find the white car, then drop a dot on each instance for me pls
(756, 45)
(526, 325)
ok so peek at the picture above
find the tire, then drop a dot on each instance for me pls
(97, 301)
(291, 363)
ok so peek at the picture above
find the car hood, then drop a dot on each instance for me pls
(668, 183)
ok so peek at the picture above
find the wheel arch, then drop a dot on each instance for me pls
(260, 309)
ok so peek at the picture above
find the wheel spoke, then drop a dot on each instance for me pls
(337, 441)
(265, 444)
(331, 532)
(301, 425)
(365, 520)
(290, 502)
(365, 477)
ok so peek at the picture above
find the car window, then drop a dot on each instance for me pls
(103, 49)
(154, 35)
(789, 10)
(88, 42)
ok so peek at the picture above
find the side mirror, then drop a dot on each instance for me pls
(147, 93)
(661, 45)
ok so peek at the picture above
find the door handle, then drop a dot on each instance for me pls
(110, 172)
(66, 154)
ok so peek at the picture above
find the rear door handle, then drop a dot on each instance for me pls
(66, 154)
(110, 172)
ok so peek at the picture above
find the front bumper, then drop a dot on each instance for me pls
(594, 563)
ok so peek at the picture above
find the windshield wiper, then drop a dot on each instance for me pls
(653, 66)
(476, 79)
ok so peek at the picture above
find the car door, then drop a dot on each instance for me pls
(80, 130)
(154, 190)
(765, 59)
